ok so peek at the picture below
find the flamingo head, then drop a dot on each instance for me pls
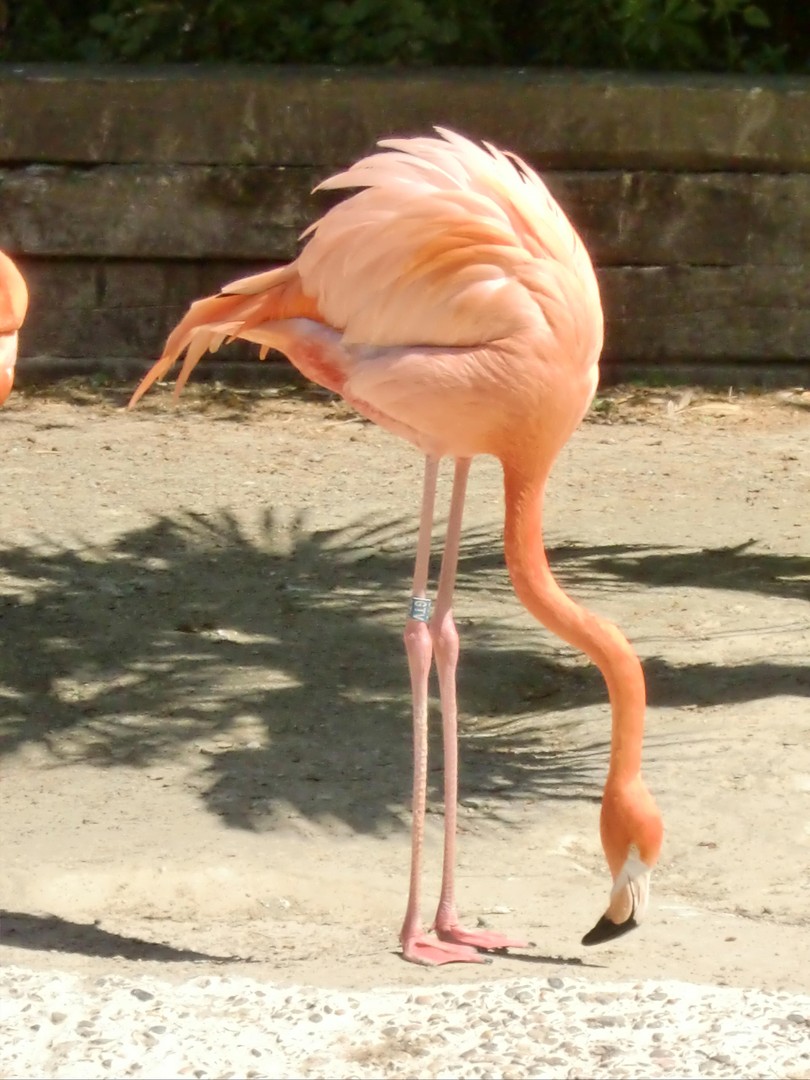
(632, 834)
(13, 306)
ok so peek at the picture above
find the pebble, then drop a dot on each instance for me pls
(223, 1026)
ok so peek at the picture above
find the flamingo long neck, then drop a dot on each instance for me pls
(8, 357)
(539, 592)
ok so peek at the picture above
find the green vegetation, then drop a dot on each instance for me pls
(652, 35)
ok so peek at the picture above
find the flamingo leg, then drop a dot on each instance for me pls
(416, 945)
(446, 646)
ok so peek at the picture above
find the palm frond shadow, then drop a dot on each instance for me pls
(739, 568)
(276, 652)
(742, 568)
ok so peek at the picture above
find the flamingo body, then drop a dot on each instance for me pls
(13, 306)
(451, 302)
(453, 278)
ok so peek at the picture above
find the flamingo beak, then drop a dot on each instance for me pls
(628, 903)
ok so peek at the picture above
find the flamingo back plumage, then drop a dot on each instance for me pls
(450, 244)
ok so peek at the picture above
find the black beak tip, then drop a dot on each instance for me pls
(606, 930)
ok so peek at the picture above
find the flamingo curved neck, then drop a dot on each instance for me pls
(599, 639)
(8, 357)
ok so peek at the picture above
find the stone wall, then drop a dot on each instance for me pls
(126, 193)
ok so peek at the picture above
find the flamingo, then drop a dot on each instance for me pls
(13, 305)
(451, 302)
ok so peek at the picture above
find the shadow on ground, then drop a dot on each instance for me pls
(184, 630)
(22, 930)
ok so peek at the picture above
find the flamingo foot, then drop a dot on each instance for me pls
(431, 952)
(487, 940)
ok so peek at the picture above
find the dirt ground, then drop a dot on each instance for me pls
(204, 698)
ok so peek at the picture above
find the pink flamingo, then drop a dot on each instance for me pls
(451, 302)
(13, 305)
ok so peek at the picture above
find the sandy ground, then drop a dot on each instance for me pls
(205, 714)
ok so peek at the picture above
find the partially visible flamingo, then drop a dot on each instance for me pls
(451, 302)
(13, 305)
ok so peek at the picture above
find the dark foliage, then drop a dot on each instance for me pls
(653, 35)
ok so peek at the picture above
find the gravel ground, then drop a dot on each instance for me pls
(62, 1026)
